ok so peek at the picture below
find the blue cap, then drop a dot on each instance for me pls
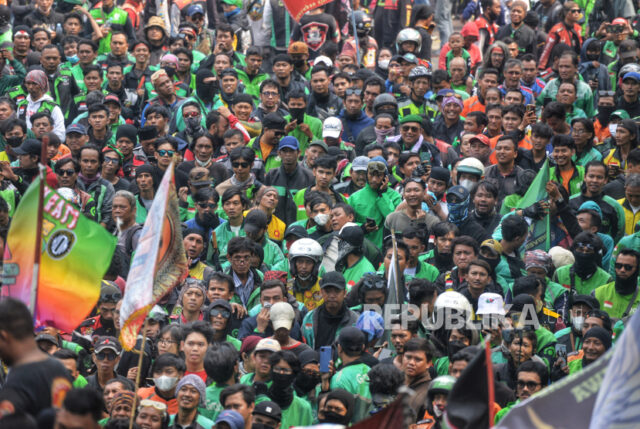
(446, 92)
(232, 418)
(76, 128)
(290, 142)
(371, 324)
(632, 75)
(379, 159)
(591, 205)
(195, 8)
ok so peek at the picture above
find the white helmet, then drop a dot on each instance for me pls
(308, 248)
(69, 195)
(409, 35)
(471, 165)
(453, 301)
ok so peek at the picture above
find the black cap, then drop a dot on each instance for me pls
(48, 338)
(274, 121)
(29, 147)
(352, 235)
(333, 278)
(219, 303)
(440, 173)
(588, 300)
(520, 301)
(351, 339)
(255, 220)
(296, 231)
(128, 131)
(268, 409)
(308, 356)
(148, 132)
(106, 342)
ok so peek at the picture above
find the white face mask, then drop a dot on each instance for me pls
(164, 382)
(467, 184)
(577, 322)
(383, 64)
(612, 129)
(321, 219)
(437, 411)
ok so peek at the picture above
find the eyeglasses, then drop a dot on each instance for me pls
(280, 370)
(163, 152)
(188, 36)
(240, 164)
(626, 267)
(111, 160)
(66, 172)
(588, 246)
(190, 115)
(208, 205)
(410, 129)
(270, 94)
(153, 404)
(353, 91)
(528, 384)
(578, 132)
(165, 342)
(215, 312)
(109, 356)
(240, 259)
(111, 297)
(278, 134)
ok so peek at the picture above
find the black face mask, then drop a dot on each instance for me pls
(333, 417)
(454, 347)
(627, 286)
(305, 383)
(260, 426)
(593, 56)
(297, 63)
(194, 127)
(297, 114)
(14, 141)
(444, 260)
(282, 380)
(209, 220)
(352, 117)
(281, 390)
(171, 71)
(493, 262)
(586, 264)
(604, 114)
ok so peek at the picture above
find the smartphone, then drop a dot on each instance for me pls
(561, 352)
(371, 221)
(325, 358)
(531, 108)
(267, 305)
(611, 28)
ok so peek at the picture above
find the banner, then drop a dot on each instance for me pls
(617, 401)
(159, 262)
(566, 404)
(76, 253)
(539, 235)
(297, 8)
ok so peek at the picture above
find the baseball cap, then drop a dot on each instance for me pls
(273, 121)
(29, 147)
(333, 278)
(267, 344)
(48, 338)
(320, 143)
(332, 127)
(112, 98)
(195, 8)
(249, 343)
(620, 113)
(255, 220)
(351, 339)
(281, 315)
(268, 409)
(587, 300)
(410, 58)
(297, 231)
(481, 138)
(232, 418)
(492, 244)
(290, 142)
(458, 191)
(298, 48)
(107, 343)
(490, 303)
(322, 59)
(446, 92)
(360, 163)
(76, 128)
(628, 49)
(198, 176)
(632, 75)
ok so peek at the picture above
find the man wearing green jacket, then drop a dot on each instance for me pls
(375, 201)
(584, 275)
(267, 145)
(9, 81)
(597, 341)
(304, 127)
(352, 372)
(620, 298)
(251, 75)
(221, 366)
(324, 171)
(415, 268)
(564, 148)
(351, 260)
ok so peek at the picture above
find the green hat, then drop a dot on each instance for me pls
(233, 2)
(621, 113)
(411, 118)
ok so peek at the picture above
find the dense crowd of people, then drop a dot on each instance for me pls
(352, 192)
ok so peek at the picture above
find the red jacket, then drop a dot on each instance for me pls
(560, 33)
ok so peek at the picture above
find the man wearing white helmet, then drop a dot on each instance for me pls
(415, 103)
(305, 258)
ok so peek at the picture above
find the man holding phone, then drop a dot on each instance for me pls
(6, 58)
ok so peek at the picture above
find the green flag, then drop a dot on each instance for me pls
(539, 235)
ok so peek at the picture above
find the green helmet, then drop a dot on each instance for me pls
(442, 384)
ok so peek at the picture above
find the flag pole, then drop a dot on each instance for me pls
(138, 375)
(490, 385)
(395, 267)
(33, 298)
(355, 32)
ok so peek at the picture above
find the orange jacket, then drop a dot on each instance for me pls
(472, 104)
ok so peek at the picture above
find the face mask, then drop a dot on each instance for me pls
(193, 123)
(298, 63)
(207, 91)
(260, 426)
(297, 114)
(171, 71)
(381, 135)
(333, 417)
(73, 59)
(467, 184)
(454, 347)
(383, 64)
(585, 263)
(458, 211)
(437, 411)
(165, 382)
(612, 129)
(593, 56)
(282, 380)
(14, 141)
(321, 219)
(577, 322)
(627, 286)
(306, 383)
(493, 262)
(210, 220)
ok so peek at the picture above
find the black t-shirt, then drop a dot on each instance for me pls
(34, 387)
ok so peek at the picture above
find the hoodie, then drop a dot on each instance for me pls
(352, 128)
(589, 71)
(56, 115)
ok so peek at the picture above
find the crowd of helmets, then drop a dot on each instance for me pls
(349, 185)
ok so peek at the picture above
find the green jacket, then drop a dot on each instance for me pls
(310, 325)
(368, 203)
(315, 125)
(252, 84)
(9, 81)
(423, 271)
(272, 161)
(575, 366)
(352, 275)
(298, 413)
(582, 287)
(222, 235)
(584, 97)
(546, 346)
(213, 407)
(574, 183)
(614, 303)
(353, 378)
(298, 199)
(116, 16)
(503, 412)
(592, 154)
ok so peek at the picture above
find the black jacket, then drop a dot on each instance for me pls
(287, 185)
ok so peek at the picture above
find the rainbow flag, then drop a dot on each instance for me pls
(76, 252)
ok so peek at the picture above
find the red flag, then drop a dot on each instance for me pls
(297, 8)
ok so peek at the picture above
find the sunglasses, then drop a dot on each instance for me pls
(215, 312)
(188, 36)
(278, 134)
(191, 115)
(410, 128)
(66, 172)
(585, 245)
(626, 267)
(240, 164)
(528, 384)
(351, 91)
(163, 152)
(575, 11)
(109, 356)
(111, 297)
(207, 205)
(111, 160)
